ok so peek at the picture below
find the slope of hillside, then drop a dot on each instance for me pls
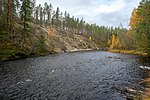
(44, 41)
(67, 41)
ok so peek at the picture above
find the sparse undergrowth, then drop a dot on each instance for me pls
(9, 50)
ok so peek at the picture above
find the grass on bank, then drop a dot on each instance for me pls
(129, 52)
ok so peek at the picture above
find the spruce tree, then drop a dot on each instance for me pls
(26, 11)
(49, 13)
(143, 29)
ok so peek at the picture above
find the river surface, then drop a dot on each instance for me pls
(92, 75)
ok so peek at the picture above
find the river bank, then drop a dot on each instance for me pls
(23, 56)
(45, 41)
(146, 93)
(134, 52)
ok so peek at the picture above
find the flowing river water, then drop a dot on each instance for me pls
(92, 75)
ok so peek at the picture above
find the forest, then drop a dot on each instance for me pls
(47, 54)
(23, 25)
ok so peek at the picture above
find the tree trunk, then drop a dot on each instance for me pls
(8, 11)
(0, 7)
(44, 18)
(10, 16)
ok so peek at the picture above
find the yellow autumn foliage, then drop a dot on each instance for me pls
(108, 42)
(114, 42)
(90, 38)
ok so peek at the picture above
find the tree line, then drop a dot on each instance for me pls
(140, 27)
(25, 13)
(17, 17)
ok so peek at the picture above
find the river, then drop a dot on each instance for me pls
(92, 75)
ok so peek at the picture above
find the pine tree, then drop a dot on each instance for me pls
(26, 11)
(41, 15)
(45, 11)
(77, 25)
(53, 18)
(81, 26)
(61, 21)
(49, 13)
(37, 14)
(10, 15)
(7, 13)
(68, 21)
(57, 17)
(65, 21)
(33, 4)
(15, 7)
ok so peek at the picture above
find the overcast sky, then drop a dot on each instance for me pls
(101, 12)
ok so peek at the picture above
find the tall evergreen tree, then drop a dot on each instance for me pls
(53, 18)
(57, 17)
(33, 4)
(26, 11)
(10, 16)
(37, 14)
(41, 15)
(45, 11)
(143, 29)
(49, 13)
(15, 8)
(65, 21)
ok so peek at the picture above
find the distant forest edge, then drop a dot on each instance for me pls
(27, 29)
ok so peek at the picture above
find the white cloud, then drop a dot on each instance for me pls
(115, 6)
(108, 12)
(93, 11)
